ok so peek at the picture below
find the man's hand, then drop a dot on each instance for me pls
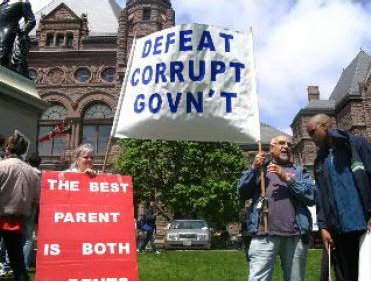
(326, 239)
(259, 160)
(282, 174)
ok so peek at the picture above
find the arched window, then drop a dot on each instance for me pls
(97, 123)
(49, 119)
(146, 14)
(60, 40)
(49, 39)
(69, 40)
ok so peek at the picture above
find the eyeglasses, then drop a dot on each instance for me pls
(282, 144)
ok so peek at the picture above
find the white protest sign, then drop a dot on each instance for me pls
(190, 82)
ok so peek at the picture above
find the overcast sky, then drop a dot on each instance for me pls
(297, 43)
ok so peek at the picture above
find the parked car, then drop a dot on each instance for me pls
(188, 234)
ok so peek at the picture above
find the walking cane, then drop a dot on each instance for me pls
(263, 195)
(329, 261)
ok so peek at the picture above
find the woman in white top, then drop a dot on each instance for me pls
(84, 156)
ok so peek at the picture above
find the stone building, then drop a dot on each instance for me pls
(349, 104)
(78, 61)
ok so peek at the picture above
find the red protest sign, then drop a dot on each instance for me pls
(86, 228)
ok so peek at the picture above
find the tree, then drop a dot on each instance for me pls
(193, 179)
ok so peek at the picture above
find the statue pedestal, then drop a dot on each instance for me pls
(20, 106)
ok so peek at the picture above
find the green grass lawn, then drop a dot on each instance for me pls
(205, 265)
(209, 265)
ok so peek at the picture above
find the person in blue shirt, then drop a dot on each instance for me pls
(289, 190)
(148, 226)
(343, 176)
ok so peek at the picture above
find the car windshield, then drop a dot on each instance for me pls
(188, 225)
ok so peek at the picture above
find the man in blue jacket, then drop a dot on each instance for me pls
(343, 176)
(149, 227)
(289, 190)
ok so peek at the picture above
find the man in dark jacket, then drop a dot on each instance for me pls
(289, 190)
(343, 177)
(148, 226)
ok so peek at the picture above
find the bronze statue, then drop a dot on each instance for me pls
(14, 40)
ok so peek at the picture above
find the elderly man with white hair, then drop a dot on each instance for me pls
(289, 192)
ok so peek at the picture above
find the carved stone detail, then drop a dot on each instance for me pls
(63, 13)
(55, 76)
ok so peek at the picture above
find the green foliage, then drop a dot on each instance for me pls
(192, 178)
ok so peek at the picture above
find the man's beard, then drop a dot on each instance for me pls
(284, 158)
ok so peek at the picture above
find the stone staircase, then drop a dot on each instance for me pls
(161, 224)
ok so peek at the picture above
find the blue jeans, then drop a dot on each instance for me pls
(4, 258)
(150, 237)
(264, 250)
(28, 228)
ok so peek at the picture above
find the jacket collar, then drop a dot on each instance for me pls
(339, 137)
(338, 134)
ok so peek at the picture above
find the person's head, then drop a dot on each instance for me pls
(84, 156)
(16, 145)
(318, 127)
(280, 149)
(34, 160)
(151, 202)
(248, 203)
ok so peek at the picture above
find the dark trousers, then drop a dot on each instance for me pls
(334, 265)
(346, 255)
(246, 244)
(149, 237)
(14, 246)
